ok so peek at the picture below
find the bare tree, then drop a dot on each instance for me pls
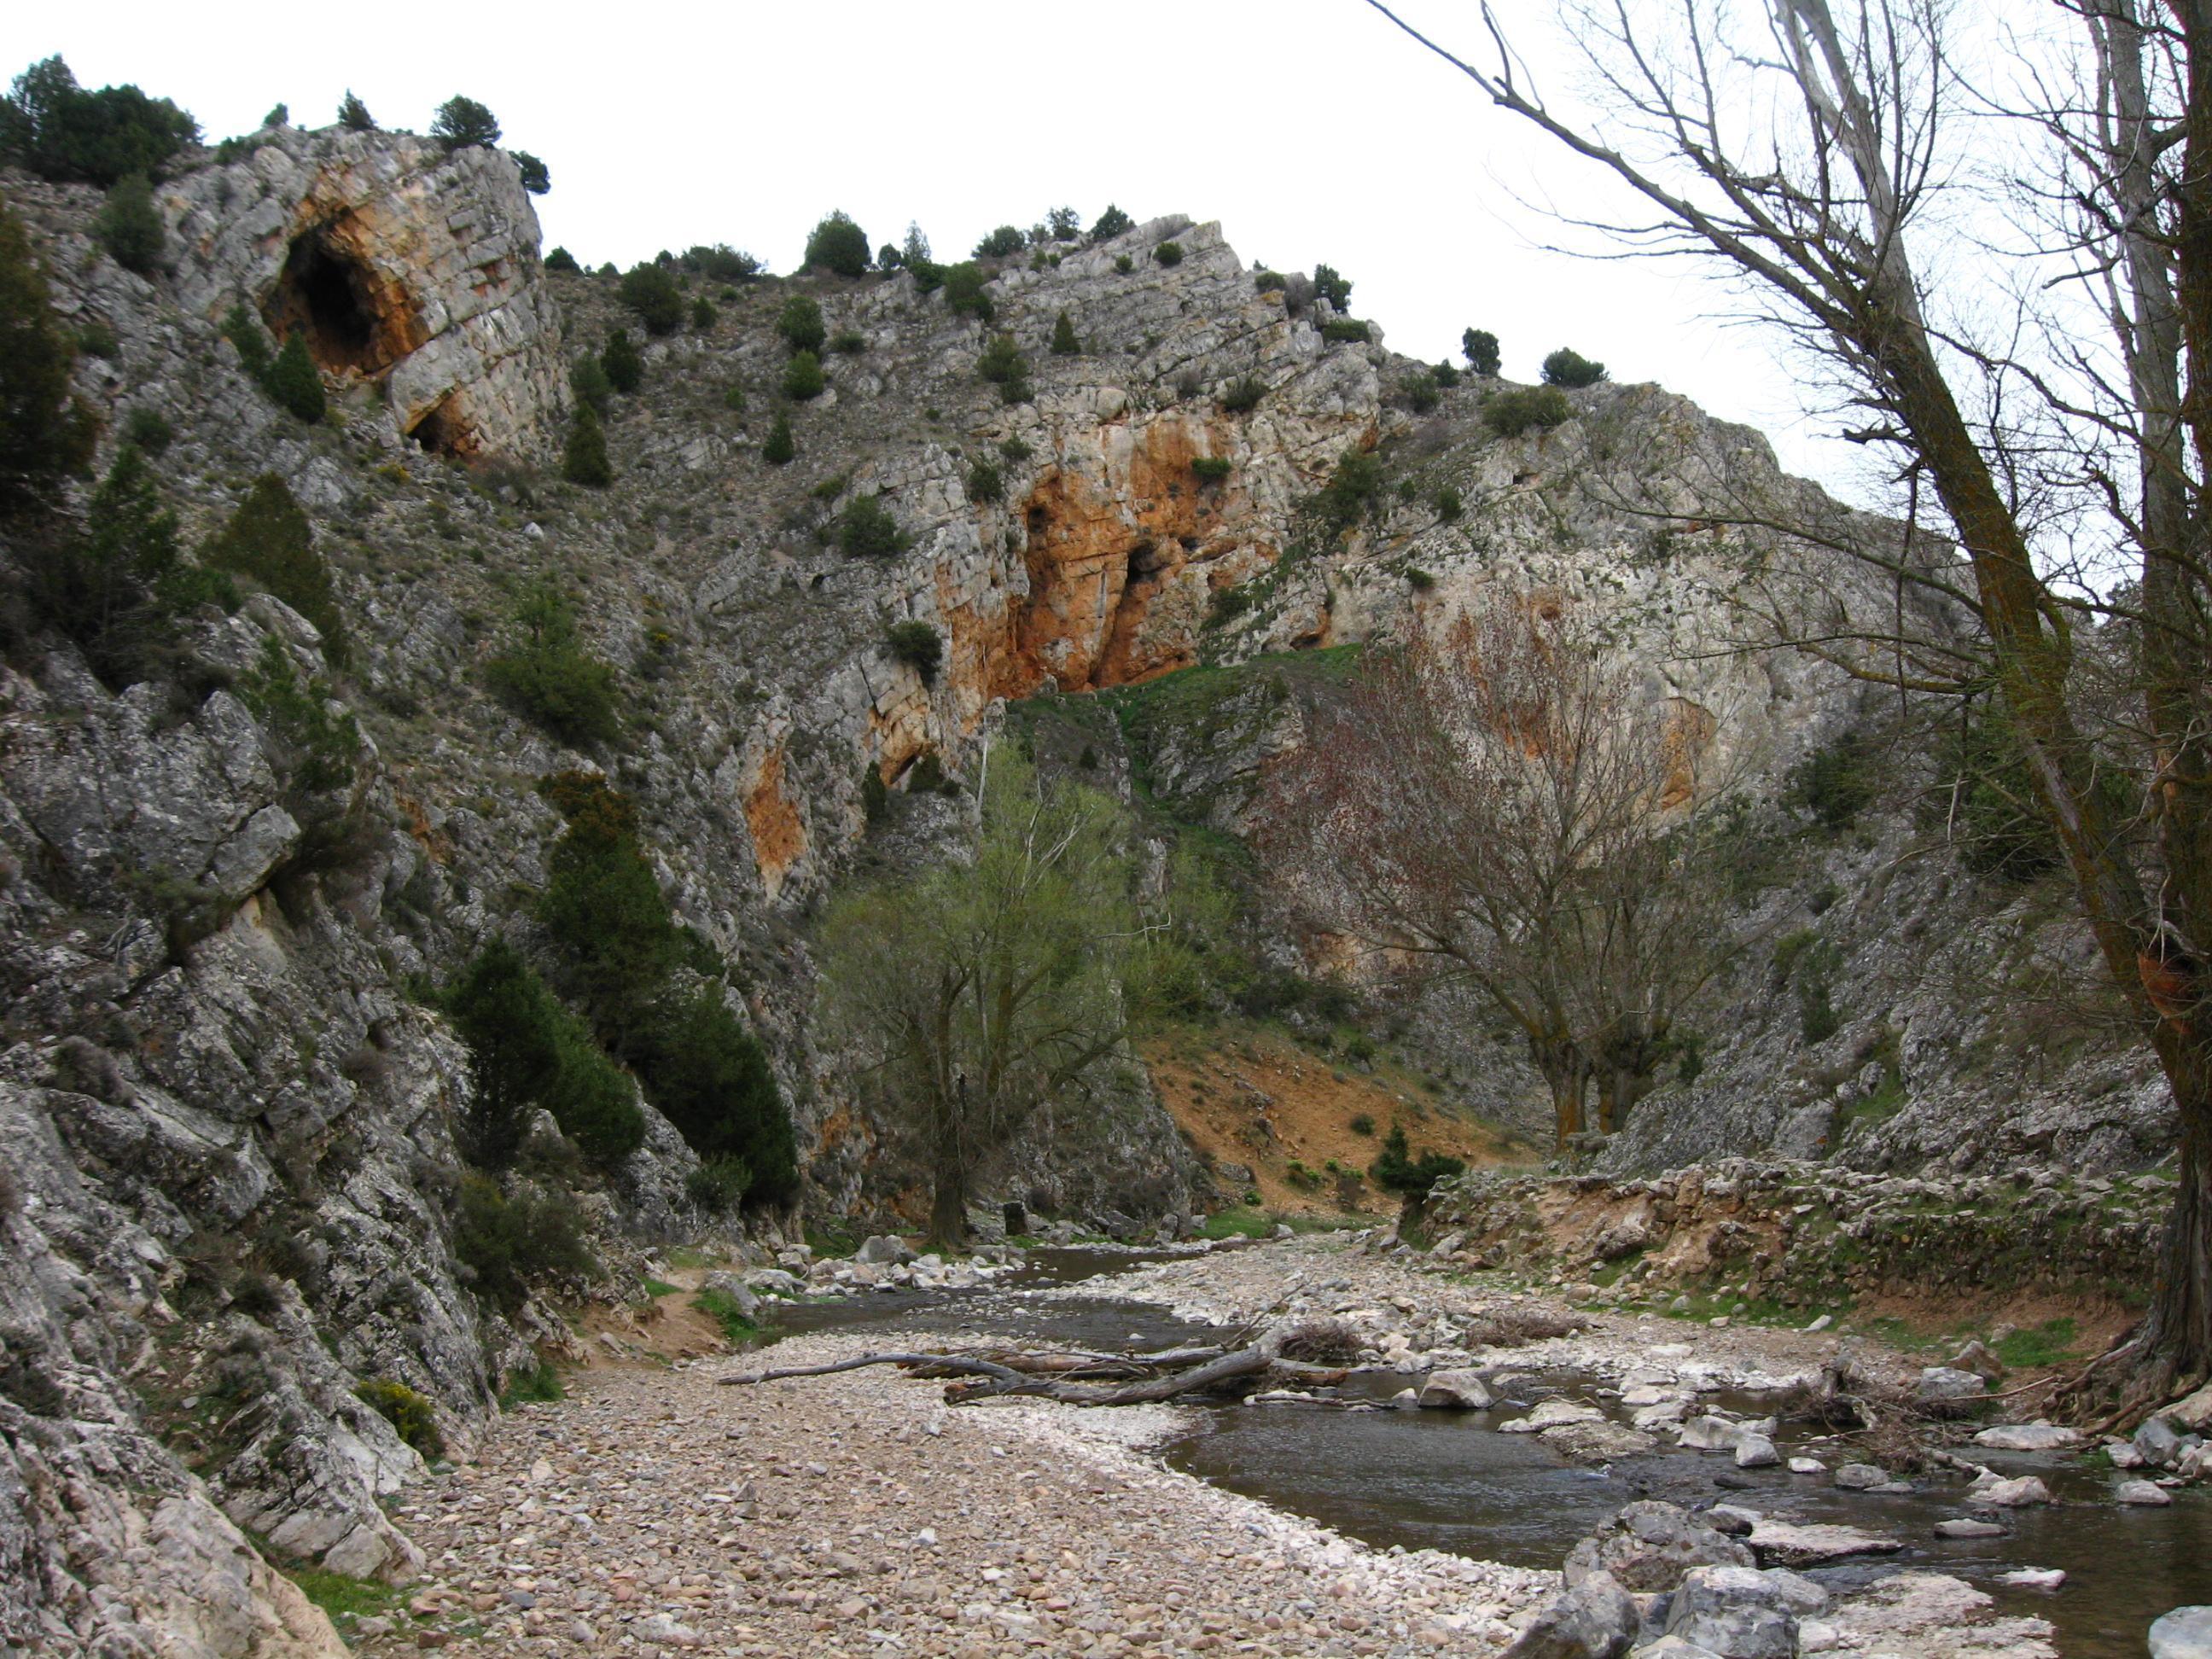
(1501, 805)
(1817, 152)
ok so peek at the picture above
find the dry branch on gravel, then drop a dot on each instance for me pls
(1077, 1379)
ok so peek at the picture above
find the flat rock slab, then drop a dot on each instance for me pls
(1785, 1544)
(2027, 1437)
(2148, 1494)
(1597, 1443)
(2185, 1633)
(1552, 1414)
(1966, 1529)
(2009, 1494)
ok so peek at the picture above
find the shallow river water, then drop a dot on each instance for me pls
(1448, 1481)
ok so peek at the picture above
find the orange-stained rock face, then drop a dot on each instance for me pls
(1689, 734)
(779, 832)
(1113, 535)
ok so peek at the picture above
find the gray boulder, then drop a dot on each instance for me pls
(1456, 1390)
(1648, 1546)
(1738, 1612)
(885, 1249)
(1756, 1451)
(1597, 1619)
(736, 1289)
(2185, 1633)
(2027, 1437)
(2157, 1444)
(1946, 1385)
(2147, 1493)
(1861, 1477)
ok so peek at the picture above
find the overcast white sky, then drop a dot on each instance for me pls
(1311, 129)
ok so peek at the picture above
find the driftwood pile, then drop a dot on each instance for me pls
(1086, 1379)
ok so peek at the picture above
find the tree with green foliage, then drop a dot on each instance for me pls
(463, 123)
(1355, 486)
(243, 330)
(103, 586)
(622, 362)
(352, 114)
(650, 292)
(269, 540)
(1064, 224)
(708, 1076)
(295, 381)
(1396, 1171)
(799, 323)
(964, 291)
(1169, 253)
(584, 457)
(704, 315)
(1111, 223)
(53, 127)
(1004, 367)
(604, 907)
(1571, 368)
(561, 259)
(507, 1245)
(312, 743)
(551, 677)
(1001, 244)
(779, 446)
(917, 645)
(1064, 343)
(1333, 286)
(838, 245)
(802, 377)
(1527, 409)
(537, 178)
(527, 1053)
(1479, 346)
(45, 436)
(984, 989)
(867, 530)
(130, 226)
(587, 378)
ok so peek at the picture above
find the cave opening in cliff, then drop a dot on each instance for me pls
(352, 321)
(443, 430)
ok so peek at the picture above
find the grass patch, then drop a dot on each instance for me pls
(344, 1597)
(2040, 1347)
(657, 1288)
(722, 1308)
(691, 1255)
(539, 1386)
(1239, 1223)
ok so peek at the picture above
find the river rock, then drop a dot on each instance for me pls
(1672, 1647)
(1812, 1544)
(1946, 1385)
(2185, 1633)
(740, 1293)
(1738, 1612)
(1599, 1442)
(1961, 1526)
(1552, 1414)
(1649, 1546)
(1859, 1477)
(775, 1281)
(2148, 1493)
(2034, 1578)
(1756, 1451)
(662, 1630)
(1710, 1434)
(2009, 1494)
(885, 1249)
(2158, 1442)
(1456, 1390)
(1594, 1619)
(2027, 1437)
(1730, 1521)
(2193, 1414)
(1807, 1466)
(2124, 1454)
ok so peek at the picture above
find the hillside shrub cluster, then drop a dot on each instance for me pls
(551, 677)
(654, 296)
(1396, 1171)
(268, 541)
(288, 376)
(52, 127)
(919, 646)
(1571, 368)
(838, 245)
(1527, 409)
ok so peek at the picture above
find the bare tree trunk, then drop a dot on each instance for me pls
(1568, 1075)
(948, 1209)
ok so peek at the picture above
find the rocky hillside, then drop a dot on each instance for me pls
(231, 882)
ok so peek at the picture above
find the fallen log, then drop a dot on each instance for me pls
(1039, 1375)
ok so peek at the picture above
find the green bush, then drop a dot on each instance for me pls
(539, 1385)
(723, 1309)
(721, 264)
(718, 1184)
(799, 323)
(44, 434)
(268, 541)
(848, 343)
(295, 383)
(528, 1052)
(353, 117)
(963, 291)
(917, 645)
(1445, 373)
(706, 1074)
(1014, 450)
(584, 458)
(130, 226)
(1339, 331)
(243, 331)
(1169, 253)
(1212, 469)
(1064, 343)
(986, 482)
(1397, 1171)
(150, 429)
(1836, 782)
(838, 245)
(537, 178)
(551, 678)
(1479, 347)
(1992, 812)
(1333, 286)
(1001, 244)
(111, 587)
(53, 127)
(733, 398)
(316, 745)
(1526, 409)
(462, 123)
(1124, 264)
(1243, 395)
(1362, 1124)
(1111, 223)
(652, 294)
(97, 339)
(603, 908)
(780, 446)
(866, 530)
(411, 1414)
(1571, 368)
(703, 315)
(1269, 282)
(509, 1244)
(623, 364)
(587, 378)
(1449, 504)
(802, 377)
(1355, 485)
(562, 260)
(1418, 391)
(1004, 367)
